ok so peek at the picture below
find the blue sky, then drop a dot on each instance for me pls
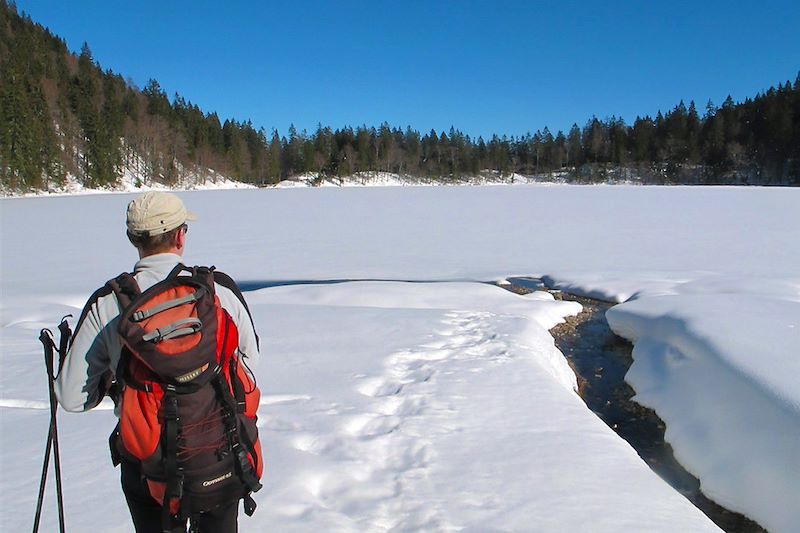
(483, 67)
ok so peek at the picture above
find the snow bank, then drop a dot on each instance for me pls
(390, 179)
(704, 363)
(130, 184)
(359, 179)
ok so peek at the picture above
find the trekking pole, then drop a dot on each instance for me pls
(43, 480)
(46, 338)
(65, 336)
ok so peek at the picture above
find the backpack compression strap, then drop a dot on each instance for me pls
(140, 315)
(174, 488)
(187, 326)
(237, 436)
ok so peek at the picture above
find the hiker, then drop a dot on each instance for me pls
(105, 358)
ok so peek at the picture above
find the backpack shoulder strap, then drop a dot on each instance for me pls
(103, 291)
(175, 272)
(125, 287)
(226, 281)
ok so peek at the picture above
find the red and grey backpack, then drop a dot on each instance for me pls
(188, 402)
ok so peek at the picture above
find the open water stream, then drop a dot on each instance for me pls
(601, 359)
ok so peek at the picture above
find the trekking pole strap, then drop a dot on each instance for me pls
(65, 340)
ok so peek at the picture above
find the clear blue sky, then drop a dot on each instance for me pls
(483, 67)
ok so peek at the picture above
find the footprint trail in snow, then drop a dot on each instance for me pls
(389, 445)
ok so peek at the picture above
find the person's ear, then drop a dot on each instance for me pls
(180, 237)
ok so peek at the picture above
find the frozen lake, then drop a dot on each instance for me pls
(446, 406)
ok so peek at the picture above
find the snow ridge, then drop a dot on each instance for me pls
(690, 378)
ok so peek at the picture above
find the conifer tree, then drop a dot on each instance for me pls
(274, 167)
(574, 148)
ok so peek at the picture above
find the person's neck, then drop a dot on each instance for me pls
(175, 251)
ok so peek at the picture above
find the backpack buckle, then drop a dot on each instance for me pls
(178, 489)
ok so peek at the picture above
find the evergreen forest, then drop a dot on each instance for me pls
(61, 114)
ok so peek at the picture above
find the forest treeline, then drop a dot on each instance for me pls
(61, 114)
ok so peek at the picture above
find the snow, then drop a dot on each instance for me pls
(132, 180)
(359, 179)
(391, 179)
(444, 405)
(684, 342)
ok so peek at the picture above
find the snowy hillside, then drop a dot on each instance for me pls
(445, 406)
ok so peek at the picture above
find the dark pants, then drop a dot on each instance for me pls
(146, 512)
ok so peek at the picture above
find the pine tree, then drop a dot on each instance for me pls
(363, 149)
(274, 165)
(594, 141)
(693, 131)
(28, 154)
(618, 141)
(294, 152)
(157, 101)
(643, 140)
(574, 148)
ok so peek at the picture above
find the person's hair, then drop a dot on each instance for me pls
(154, 244)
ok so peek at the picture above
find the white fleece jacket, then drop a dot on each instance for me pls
(96, 347)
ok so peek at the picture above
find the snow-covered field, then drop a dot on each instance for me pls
(444, 406)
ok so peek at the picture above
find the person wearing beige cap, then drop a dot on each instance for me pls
(157, 226)
(154, 220)
(155, 213)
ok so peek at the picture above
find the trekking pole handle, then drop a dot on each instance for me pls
(46, 338)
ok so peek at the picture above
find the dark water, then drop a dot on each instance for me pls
(601, 359)
(246, 286)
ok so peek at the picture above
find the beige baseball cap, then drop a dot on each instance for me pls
(154, 213)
